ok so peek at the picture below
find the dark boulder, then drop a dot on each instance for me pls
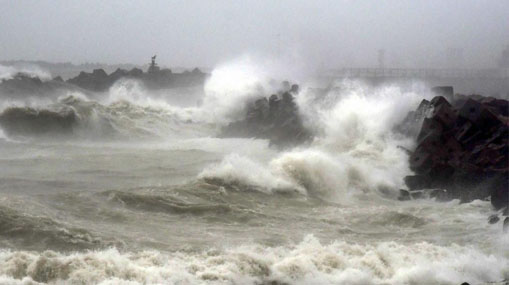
(117, 74)
(493, 219)
(412, 122)
(462, 147)
(500, 194)
(23, 86)
(96, 81)
(135, 72)
(418, 182)
(275, 118)
(155, 78)
(404, 195)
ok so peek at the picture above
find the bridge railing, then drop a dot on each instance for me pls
(420, 73)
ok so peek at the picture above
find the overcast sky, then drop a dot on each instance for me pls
(203, 33)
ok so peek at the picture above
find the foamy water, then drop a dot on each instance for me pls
(165, 202)
(308, 262)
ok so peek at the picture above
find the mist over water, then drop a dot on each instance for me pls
(140, 190)
(8, 72)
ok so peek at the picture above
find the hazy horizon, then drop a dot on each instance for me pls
(326, 34)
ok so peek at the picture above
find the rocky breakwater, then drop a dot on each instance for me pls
(155, 78)
(22, 86)
(275, 118)
(462, 149)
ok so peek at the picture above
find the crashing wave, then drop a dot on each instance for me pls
(308, 262)
(355, 152)
(75, 117)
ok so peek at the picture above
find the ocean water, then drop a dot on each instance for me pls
(143, 192)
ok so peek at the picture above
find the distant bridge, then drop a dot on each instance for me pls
(421, 73)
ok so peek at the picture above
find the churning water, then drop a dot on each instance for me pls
(140, 191)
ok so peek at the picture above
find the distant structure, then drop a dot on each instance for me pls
(381, 58)
(153, 68)
(504, 58)
(154, 78)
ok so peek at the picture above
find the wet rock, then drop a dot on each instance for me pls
(506, 225)
(462, 147)
(418, 182)
(493, 219)
(411, 124)
(275, 118)
(117, 74)
(498, 106)
(23, 85)
(155, 78)
(135, 72)
(500, 195)
(417, 194)
(404, 195)
(96, 81)
(439, 194)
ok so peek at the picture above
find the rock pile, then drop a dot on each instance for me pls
(275, 118)
(462, 147)
(98, 80)
(23, 85)
(154, 78)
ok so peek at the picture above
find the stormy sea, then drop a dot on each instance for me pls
(135, 186)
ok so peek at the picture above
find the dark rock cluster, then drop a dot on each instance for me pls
(21, 85)
(98, 80)
(275, 118)
(462, 149)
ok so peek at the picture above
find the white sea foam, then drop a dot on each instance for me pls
(224, 97)
(239, 170)
(355, 155)
(7, 72)
(355, 150)
(308, 262)
(238, 81)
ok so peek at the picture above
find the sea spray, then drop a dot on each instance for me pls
(355, 150)
(192, 208)
(8, 72)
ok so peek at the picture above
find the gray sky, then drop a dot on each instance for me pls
(204, 33)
